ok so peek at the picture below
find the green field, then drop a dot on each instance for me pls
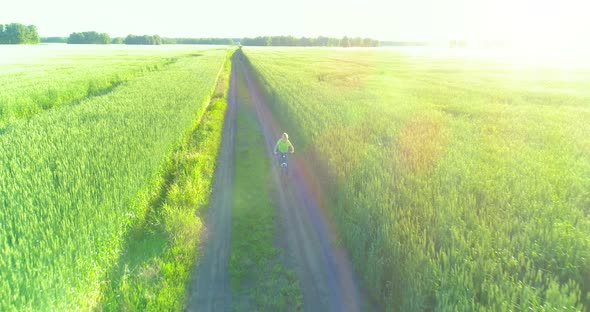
(87, 142)
(33, 79)
(456, 183)
(154, 269)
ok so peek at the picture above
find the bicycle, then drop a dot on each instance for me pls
(284, 165)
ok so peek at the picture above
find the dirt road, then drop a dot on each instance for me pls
(324, 270)
(209, 289)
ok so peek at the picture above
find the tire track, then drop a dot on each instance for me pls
(210, 289)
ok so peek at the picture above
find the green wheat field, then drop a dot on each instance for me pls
(456, 182)
(87, 139)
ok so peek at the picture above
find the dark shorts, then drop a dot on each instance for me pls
(281, 156)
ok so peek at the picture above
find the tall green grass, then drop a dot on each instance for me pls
(152, 273)
(456, 184)
(76, 178)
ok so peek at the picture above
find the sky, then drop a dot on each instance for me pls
(397, 20)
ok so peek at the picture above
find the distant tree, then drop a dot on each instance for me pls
(368, 42)
(290, 41)
(117, 40)
(16, 33)
(76, 38)
(345, 43)
(219, 41)
(132, 39)
(32, 36)
(12, 33)
(171, 40)
(145, 40)
(103, 38)
(322, 41)
(246, 41)
(258, 41)
(148, 40)
(89, 37)
(54, 40)
(308, 42)
(305, 42)
(333, 42)
(356, 42)
(278, 41)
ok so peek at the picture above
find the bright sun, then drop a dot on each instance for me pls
(536, 22)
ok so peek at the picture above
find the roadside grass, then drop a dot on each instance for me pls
(153, 272)
(455, 183)
(259, 281)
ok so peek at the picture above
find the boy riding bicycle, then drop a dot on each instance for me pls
(283, 147)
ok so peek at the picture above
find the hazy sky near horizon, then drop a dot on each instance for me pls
(428, 20)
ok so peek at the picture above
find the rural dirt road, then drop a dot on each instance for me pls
(210, 289)
(324, 271)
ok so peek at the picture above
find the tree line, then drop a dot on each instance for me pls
(89, 37)
(93, 37)
(145, 39)
(221, 41)
(320, 41)
(132, 39)
(16, 33)
(333, 42)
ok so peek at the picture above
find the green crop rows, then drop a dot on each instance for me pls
(456, 184)
(77, 176)
(154, 268)
(38, 78)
